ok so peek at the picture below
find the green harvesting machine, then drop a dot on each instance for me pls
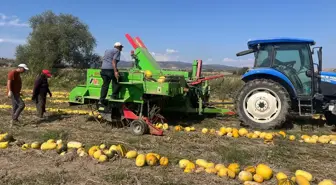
(148, 92)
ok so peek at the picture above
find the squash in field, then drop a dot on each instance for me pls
(155, 154)
(223, 130)
(6, 137)
(92, 150)
(74, 144)
(250, 169)
(292, 137)
(258, 178)
(281, 175)
(210, 165)
(183, 163)
(211, 170)
(219, 166)
(51, 141)
(35, 145)
(151, 160)
(97, 154)
(131, 154)
(201, 162)
(301, 180)
(48, 146)
(235, 167)
(190, 167)
(268, 136)
(242, 131)
(61, 148)
(113, 147)
(327, 182)
(140, 160)
(231, 174)
(286, 181)
(102, 158)
(199, 170)
(245, 176)
(305, 174)
(204, 130)
(121, 150)
(3, 145)
(223, 172)
(164, 161)
(264, 171)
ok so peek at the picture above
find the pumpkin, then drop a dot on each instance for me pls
(211, 170)
(250, 169)
(204, 130)
(183, 163)
(245, 176)
(187, 129)
(151, 160)
(305, 174)
(228, 130)
(242, 132)
(258, 178)
(97, 154)
(102, 146)
(286, 181)
(222, 130)
(51, 141)
(190, 167)
(327, 182)
(74, 144)
(231, 174)
(140, 160)
(254, 136)
(257, 133)
(301, 180)
(262, 135)
(280, 176)
(264, 171)
(292, 137)
(178, 128)
(235, 134)
(25, 146)
(223, 172)
(148, 74)
(164, 161)
(35, 145)
(48, 146)
(210, 165)
(219, 166)
(102, 158)
(212, 131)
(199, 170)
(61, 148)
(268, 136)
(131, 154)
(235, 167)
(219, 133)
(201, 162)
(121, 150)
(92, 150)
(282, 133)
(113, 147)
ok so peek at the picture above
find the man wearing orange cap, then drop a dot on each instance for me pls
(40, 91)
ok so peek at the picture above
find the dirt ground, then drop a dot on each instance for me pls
(37, 167)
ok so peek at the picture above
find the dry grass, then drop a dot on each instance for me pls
(36, 167)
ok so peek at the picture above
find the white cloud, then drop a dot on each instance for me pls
(209, 60)
(12, 41)
(171, 51)
(164, 57)
(11, 21)
(239, 62)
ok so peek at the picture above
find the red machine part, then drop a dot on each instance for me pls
(140, 43)
(199, 69)
(200, 80)
(131, 41)
(128, 114)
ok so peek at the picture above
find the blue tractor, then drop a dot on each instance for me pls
(285, 82)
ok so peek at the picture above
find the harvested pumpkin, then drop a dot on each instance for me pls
(48, 146)
(131, 154)
(164, 161)
(280, 176)
(242, 132)
(35, 145)
(151, 160)
(223, 172)
(235, 167)
(74, 144)
(231, 174)
(264, 171)
(305, 174)
(183, 163)
(245, 176)
(92, 150)
(211, 170)
(102, 158)
(258, 178)
(201, 162)
(97, 154)
(327, 182)
(250, 169)
(301, 180)
(286, 181)
(140, 160)
(219, 166)
(4, 145)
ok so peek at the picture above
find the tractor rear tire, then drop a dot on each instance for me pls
(139, 127)
(270, 99)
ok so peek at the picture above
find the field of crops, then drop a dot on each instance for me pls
(71, 147)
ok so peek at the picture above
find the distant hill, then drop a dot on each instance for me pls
(184, 66)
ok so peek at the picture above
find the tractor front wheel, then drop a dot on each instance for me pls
(139, 127)
(263, 104)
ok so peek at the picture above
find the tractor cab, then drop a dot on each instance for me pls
(284, 81)
(290, 57)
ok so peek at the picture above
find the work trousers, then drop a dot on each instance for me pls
(108, 76)
(41, 104)
(17, 106)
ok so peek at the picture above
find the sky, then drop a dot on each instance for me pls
(184, 30)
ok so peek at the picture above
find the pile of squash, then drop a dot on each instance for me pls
(250, 175)
(267, 136)
(5, 140)
(147, 159)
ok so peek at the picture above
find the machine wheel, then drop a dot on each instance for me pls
(263, 104)
(139, 127)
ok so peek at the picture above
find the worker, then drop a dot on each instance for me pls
(14, 85)
(40, 91)
(109, 71)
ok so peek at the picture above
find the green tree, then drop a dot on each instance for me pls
(56, 39)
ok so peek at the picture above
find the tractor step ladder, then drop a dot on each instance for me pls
(303, 103)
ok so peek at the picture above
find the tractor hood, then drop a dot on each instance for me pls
(328, 77)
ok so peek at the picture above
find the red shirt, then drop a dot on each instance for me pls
(16, 83)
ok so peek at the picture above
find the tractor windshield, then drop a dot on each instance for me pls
(291, 59)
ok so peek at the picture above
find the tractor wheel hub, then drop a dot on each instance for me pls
(262, 105)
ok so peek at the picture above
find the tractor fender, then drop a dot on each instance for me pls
(268, 73)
